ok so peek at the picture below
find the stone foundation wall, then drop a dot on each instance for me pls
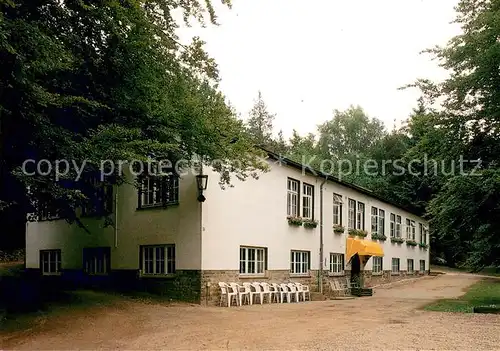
(210, 291)
(184, 285)
(371, 279)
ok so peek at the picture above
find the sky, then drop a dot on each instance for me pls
(309, 57)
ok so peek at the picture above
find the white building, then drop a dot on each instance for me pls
(167, 241)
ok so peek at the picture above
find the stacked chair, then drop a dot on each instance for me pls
(342, 287)
(256, 292)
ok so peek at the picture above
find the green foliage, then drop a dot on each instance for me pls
(467, 214)
(302, 149)
(260, 123)
(310, 223)
(349, 132)
(357, 232)
(109, 81)
(296, 221)
(411, 243)
(338, 229)
(483, 293)
(279, 145)
(378, 237)
(397, 240)
(465, 209)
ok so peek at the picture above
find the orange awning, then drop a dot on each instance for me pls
(362, 248)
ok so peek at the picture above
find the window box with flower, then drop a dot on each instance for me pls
(423, 246)
(338, 229)
(310, 223)
(411, 243)
(358, 232)
(295, 221)
(397, 240)
(380, 237)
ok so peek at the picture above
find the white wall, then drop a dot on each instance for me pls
(337, 243)
(177, 224)
(253, 213)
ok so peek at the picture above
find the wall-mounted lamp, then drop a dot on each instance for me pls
(201, 181)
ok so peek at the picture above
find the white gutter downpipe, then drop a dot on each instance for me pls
(321, 235)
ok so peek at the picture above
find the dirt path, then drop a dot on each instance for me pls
(388, 320)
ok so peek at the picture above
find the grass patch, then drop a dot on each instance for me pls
(11, 269)
(483, 293)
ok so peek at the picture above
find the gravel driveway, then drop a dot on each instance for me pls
(389, 320)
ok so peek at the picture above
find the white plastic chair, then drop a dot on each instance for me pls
(293, 291)
(252, 292)
(336, 288)
(228, 295)
(241, 291)
(270, 292)
(278, 291)
(284, 291)
(304, 290)
(259, 291)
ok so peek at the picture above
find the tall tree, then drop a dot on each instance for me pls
(303, 149)
(279, 144)
(465, 211)
(260, 122)
(349, 132)
(108, 80)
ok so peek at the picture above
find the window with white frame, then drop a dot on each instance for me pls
(336, 263)
(50, 262)
(96, 260)
(422, 266)
(410, 267)
(158, 259)
(351, 222)
(381, 222)
(374, 220)
(395, 265)
(307, 201)
(292, 200)
(413, 230)
(99, 195)
(408, 229)
(398, 227)
(378, 221)
(360, 216)
(393, 225)
(377, 267)
(423, 233)
(158, 190)
(300, 262)
(337, 209)
(253, 260)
